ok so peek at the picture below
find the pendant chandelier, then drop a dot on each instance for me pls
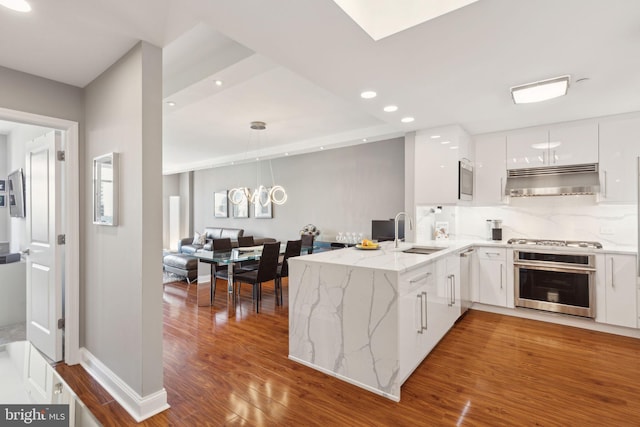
(260, 195)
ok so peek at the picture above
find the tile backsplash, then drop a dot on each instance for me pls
(563, 218)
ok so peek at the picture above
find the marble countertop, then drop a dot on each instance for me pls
(387, 257)
(394, 259)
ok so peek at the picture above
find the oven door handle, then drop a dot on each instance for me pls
(551, 267)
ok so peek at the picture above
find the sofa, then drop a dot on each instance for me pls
(187, 245)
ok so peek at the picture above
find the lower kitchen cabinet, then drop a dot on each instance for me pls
(492, 277)
(418, 312)
(617, 297)
(428, 310)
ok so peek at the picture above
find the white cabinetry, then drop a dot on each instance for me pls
(436, 164)
(418, 313)
(617, 293)
(427, 310)
(619, 150)
(492, 277)
(560, 145)
(490, 170)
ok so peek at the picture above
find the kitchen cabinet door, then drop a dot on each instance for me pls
(619, 150)
(577, 144)
(491, 170)
(492, 283)
(527, 148)
(436, 164)
(620, 290)
(418, 312)
(564, 144)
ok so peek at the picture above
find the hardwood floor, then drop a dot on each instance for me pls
(490, 370)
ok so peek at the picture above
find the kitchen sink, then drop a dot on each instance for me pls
(422, 250)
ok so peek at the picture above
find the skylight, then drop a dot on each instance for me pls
(382, 18)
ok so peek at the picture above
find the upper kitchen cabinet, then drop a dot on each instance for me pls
(437, 153)
(566, 144)
(619, 150)
(490, 169)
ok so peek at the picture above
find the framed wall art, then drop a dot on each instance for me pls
(241, 210)
(220, 209)
(3, 185)
(3, 201)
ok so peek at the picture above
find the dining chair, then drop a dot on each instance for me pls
(307, 241)
(267, 269)
(244, 241)
(293, 249)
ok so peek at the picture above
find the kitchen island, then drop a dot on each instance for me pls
(369, 317)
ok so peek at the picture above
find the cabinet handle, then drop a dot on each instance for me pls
(554, 157)
(501, 268)
(501, 196)
(612, 284)
(492, 253)
(605, 184)
(419, 278)
(426, 313)
(419, 296)
(453, 289)
(450, 296)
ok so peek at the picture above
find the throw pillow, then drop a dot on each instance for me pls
(199, 239)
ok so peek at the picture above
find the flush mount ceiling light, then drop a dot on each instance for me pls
(407, 119)
(540, 91)
(368, 94)
(390, 108)
(17, 5)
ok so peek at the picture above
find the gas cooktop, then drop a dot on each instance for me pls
(562, 243)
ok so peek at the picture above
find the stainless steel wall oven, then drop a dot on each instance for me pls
(563, 282)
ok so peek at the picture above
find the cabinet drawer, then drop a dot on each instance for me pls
(413, 279)
(492, 253)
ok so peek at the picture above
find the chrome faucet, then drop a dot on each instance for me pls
(406, 215)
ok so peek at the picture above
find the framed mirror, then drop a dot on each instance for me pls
(105, 189)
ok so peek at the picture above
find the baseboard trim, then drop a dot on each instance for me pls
(139, 407)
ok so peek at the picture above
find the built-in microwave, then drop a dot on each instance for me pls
(465, 180)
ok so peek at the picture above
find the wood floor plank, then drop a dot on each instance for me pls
(490, 370)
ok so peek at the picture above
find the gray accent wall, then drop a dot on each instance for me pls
(336, 190)
(122, 296)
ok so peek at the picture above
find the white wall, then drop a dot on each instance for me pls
(122, 298)
(336, 190)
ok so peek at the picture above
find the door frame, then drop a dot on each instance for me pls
(71, 202)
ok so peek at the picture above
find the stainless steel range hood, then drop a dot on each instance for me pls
(553, 181)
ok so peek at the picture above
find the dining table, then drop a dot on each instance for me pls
(207, 262)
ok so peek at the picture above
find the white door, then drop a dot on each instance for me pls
(44, 261)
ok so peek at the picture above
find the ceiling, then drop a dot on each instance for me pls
(301, 65)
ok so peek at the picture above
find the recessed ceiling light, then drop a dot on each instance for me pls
(218, 82)
(390, 108)
(368, 94)
(453, 147)
(540, 91)
(322, 148)
(435, 136)
(445, 142)
(171, 104)
(17, 5)
(407, 119)
(286, 154)
(364, 139)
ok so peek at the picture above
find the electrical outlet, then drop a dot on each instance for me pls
(606, 230)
